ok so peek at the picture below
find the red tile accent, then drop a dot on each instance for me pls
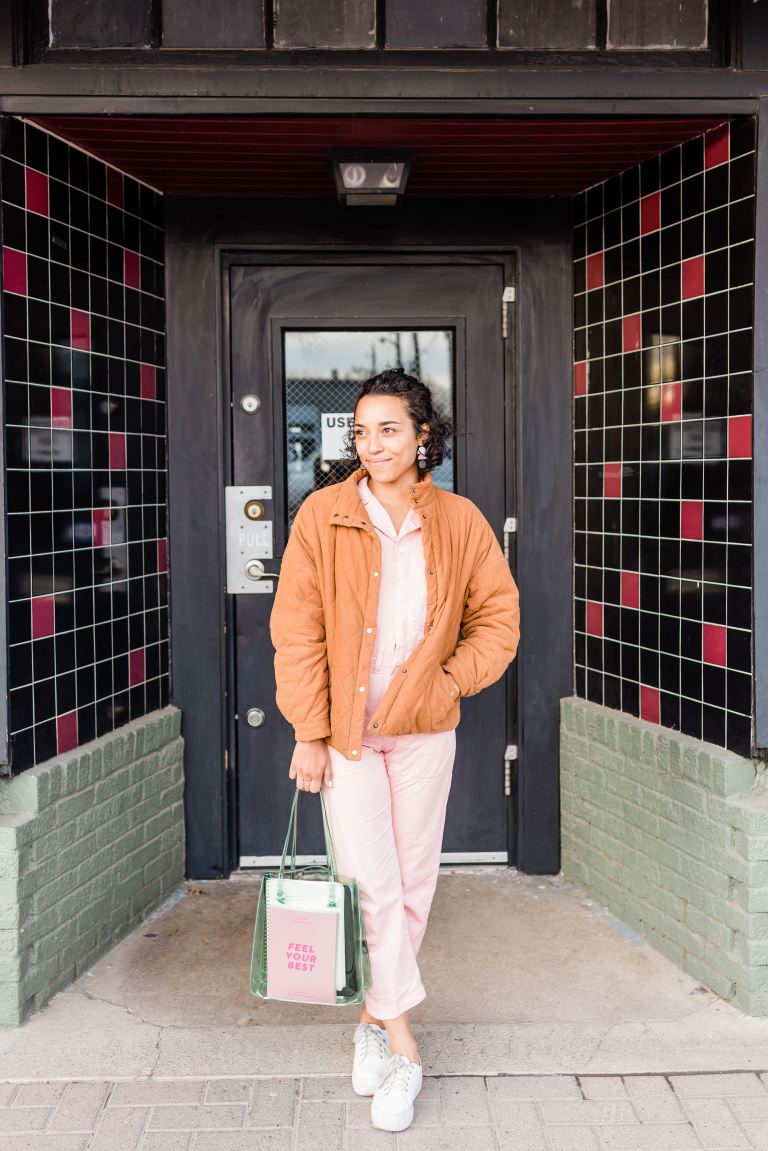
(14, 271)
(650, 703)
(117, 451)
(42, 616)
(692, 519)
(580, 378)
(61, 408)
(594, 617)
(114, 188)
(631, 333)
(612, 481)
(630, 589)
(717, 146)
(650, 213)
(101, 519)
(714, 639)
(130, 268)
(740, 437)
(692, 277)
(596, 270)
(148, 388)
(36, 191)
(671, 402)
(162, 555)
(136, 666)
(66, 731)
(81, 329)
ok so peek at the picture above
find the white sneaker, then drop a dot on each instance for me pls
(399, 1084)
(371, 1053)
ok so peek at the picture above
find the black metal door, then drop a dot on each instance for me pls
(302, 339)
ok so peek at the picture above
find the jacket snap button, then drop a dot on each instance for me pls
(431, 572)
(361, 689)
(404, 670)
(353, 752)
(369, 629)
(375, 725)
(375, 573)
(346, 517)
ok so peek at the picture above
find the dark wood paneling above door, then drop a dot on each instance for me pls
(234, 24)
(549, 24)
(93, 24)
(657, 24)
(332, 24)
(435, 24)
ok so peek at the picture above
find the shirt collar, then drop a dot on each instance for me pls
(349, 509)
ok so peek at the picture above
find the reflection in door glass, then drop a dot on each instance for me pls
(322, 373)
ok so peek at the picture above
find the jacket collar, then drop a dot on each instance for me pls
(349, 511)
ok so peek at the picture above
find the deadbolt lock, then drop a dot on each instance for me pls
(255, 717)
(254, 510)
(250, 403)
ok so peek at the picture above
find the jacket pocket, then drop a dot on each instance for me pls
(441, 702)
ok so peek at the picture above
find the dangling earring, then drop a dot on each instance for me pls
(421, 456)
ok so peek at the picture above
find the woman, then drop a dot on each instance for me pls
(380, 573)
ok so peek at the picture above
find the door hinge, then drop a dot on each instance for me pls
(507, 297)
(510, 527)
(509, 755)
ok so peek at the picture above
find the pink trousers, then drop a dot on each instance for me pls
(386, 814)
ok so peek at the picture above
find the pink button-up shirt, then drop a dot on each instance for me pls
(402, 610)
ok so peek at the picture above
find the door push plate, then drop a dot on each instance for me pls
(247, 539)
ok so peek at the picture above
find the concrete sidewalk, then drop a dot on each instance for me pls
(548, 1024)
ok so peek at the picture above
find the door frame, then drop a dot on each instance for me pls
(507, 263)
(204, 238)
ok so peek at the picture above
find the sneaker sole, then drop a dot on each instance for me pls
(391, 1122)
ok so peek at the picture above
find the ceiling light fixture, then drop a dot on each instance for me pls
(372, 177)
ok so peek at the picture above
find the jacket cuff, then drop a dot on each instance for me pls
(308, 731)
(454, 667)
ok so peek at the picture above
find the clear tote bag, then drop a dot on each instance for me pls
(309, 942)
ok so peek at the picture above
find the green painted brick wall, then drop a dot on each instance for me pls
(90, 842)
(670, 834)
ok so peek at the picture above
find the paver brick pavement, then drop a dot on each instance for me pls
(674, 1112)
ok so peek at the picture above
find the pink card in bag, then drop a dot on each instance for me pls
(301, 954)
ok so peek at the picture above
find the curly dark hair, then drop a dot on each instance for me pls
(418, 404)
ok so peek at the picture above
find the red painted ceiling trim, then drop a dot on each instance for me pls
(288, 156)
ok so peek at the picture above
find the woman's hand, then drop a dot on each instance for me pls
(311, 765)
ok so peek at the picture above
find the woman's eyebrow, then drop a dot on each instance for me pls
(382, 423)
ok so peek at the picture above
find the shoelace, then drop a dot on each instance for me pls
(396, 1072)
(365, 1033)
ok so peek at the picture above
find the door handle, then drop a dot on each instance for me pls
(254, 569)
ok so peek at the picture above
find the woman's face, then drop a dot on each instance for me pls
(385, 439)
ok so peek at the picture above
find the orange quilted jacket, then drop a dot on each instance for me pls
(323, 618)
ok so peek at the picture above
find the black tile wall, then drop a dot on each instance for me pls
(664, 258)
(83, 359)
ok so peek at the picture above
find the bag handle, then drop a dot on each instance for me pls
(291, 835)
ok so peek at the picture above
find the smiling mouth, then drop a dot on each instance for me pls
(376, 462)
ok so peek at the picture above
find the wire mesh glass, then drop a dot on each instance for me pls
(322, 373)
